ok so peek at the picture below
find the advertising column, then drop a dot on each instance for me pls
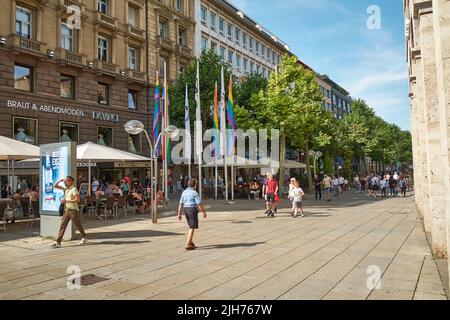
(57, 161)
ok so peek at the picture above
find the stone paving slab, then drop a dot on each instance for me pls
(241, 255)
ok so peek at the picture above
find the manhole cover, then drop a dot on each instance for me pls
(90, 279)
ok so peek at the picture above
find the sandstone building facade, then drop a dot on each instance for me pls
(427, 25)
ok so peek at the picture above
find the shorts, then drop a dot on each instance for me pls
(327, 189)
(270, 197)
(298, 205)
(374, 188)
(191, 214)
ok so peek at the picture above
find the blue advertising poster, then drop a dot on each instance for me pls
(57, 162)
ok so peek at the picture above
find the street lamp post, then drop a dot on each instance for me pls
(135, 127)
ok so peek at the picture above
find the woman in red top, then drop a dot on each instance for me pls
(270, 189)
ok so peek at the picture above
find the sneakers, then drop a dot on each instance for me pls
(55, 245)
(268, 213)
(190, 247)
(100, 218)
(82, 242)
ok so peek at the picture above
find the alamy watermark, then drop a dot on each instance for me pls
(74, 20)
(250, 148)
(73, 281)
(374, 19)
(374, 279)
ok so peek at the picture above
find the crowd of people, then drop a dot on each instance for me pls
(23, 190)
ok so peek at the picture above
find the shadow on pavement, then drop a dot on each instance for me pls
(130, 234)
(231, 245)
(121, 242)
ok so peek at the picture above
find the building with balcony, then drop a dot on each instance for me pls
(171, 27)
(244, 44)
(336, 98)
(73, 70)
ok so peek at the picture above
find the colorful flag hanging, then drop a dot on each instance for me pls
(187, 126)
(156, 111)
(216, 122)
(198, 117)
(223, 121)
(231, 120)
(166, 122)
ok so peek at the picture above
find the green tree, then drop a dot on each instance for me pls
(210, 65)
(293, 104)
(250, 85)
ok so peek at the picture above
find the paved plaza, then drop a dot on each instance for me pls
(333, 253)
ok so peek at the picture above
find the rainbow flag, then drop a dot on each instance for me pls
(216, 122)
(156, 111)
(231, 120)
(166, 140)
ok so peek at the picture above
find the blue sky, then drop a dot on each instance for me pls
(332, 37)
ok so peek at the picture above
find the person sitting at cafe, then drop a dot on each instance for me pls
(33, 194)
(138, 200)
(159, 196)
(254, 190)
(17, 195)
(117, 191)
(124, 187)
(110, 190)
(27, 194)
(4, 194)
(99, 193)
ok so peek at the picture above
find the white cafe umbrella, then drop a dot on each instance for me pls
(93, 152)
(11, 149)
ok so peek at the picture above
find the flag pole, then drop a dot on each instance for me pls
(166, 189)
(223, 126)
(198, 131)
(187, 136)
(216, 139)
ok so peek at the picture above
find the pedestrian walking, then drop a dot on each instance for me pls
(357, 184)
(296, 195)
(318, 187)
(190, 202)
(384, 184)
(336, 186)
(341, 184)
(375, 185)
(291, 186)
(71, 210)
(392, 186)
(403, 185)
(327, 183)
(270, 189)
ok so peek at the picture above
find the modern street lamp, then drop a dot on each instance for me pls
(316, 156)
(135, 127)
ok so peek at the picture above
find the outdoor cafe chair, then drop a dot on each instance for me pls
(91, 205)
(3, 208)
(34, 213)
(131, 203)
(121, 206)
(109, 206)
(26, 207)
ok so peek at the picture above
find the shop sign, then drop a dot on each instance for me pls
(96, 115)
(132, 164)
(105, 116)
